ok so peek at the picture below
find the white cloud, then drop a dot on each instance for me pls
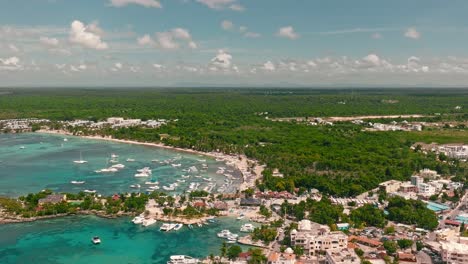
(11, 63)
(222, 60)
(145, 40)
(157, 66)
(269, 66)
(80, 35)
(227, 25)
(222, 4)
(412, 33)
(372, 60)
(172, 39)
(145, 3)
(287, 32)
(51, 42)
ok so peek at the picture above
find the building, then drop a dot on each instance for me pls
(426, 189)
(313, 237)
(406, 188)
(390, 186)
(428, 174)
(250, 202)
(365, 241)
(454, 253)
(288, 257)
(53, 199)
(343, 256)
(416, 180)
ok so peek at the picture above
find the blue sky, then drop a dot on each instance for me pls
(233, 42)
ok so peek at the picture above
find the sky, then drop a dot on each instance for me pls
(312, 43)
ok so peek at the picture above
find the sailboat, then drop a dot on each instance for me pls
(81, 161)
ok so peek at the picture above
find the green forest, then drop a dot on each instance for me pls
(338, 160)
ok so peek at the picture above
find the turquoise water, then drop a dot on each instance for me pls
(68, 240)
(46, 161)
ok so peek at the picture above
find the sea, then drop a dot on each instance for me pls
(31, 162)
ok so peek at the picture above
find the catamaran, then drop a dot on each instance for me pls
(81, 161)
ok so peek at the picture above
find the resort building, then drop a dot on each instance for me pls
(428, 174)
(313, 237)
(453, 252)
(342, 256)
(390, 186)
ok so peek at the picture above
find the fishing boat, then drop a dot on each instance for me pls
(80, 161)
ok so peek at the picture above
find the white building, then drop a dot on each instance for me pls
(428, 174)
(426, 189)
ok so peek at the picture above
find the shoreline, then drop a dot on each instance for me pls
(241, 162)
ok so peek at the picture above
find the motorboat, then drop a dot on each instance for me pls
(169, 188)
(107, 170)
(148, 222)
(138, 220)
(140, 175)
(193, 169)
(181, 259)
(178, 226)
(155, 161)
(176, 165)
(151, 183)
(96, 240)
(118, 166)
(145, 170)
(153, 188)
(207, 179)
(240, 217)
(224, 233)
(90, 191)
(65, 139)
(181, 180)
(190, 226)
(247, 228)
(185, 176)
(22, 147)
(167, 227)
(201, 160)
(137, 186)
(77, 182)
(199, 224)
(114, 156)
(130, 160)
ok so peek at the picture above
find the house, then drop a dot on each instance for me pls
(220, 205)
(53, 199)
(343, 256)
(365, 241)
(288, 257)
(406, 257)
(390, 186)
(313, 237)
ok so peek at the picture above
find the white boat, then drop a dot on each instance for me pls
(107, 170)
(207, 179)
(169, 188)
(90, 191)
(148, 222)
(199, 224)
(155, 161)
(181, 180)
(22, 147)
(141, 175)
(151, 183)
(247, 228)
(185, 176)
(220, 172)
(118, 166)
(96, 240)
(240, 217)
(137, 186)
(65, 139)
(145, 169)
(167, 227)
(197, 176)
(224, 233)
(152, 188)
(114, 156)
(193, 169)
(176, 165)
(130, 160)
(138, 220)
(80, 161)
(77, 182)
(181, 259)
(201, 160)
(178, 226)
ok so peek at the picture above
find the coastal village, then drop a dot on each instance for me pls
(275, 227)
